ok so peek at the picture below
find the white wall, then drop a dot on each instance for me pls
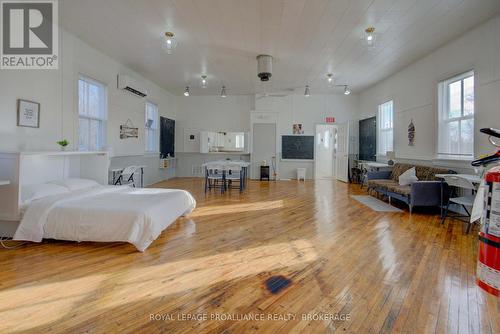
(414, 91)
(56, 91)
(308, 111)
(214, 113)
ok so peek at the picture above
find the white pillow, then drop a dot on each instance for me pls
(76, 184)
(37, 191)
(408, 177)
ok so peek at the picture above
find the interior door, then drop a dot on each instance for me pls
(263, 147)
(342, 156)
(324, 160)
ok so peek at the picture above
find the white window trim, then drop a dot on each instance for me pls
(379, 129)
(441, 105)
(104, 120)
(156, 131)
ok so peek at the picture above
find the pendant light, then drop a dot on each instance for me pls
(370, 37)
(307, 92)
(169, 43)
(329, 77)
(347, 91)
(203, 81)
(223, 92)
(186, 91)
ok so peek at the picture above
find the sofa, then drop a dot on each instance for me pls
(424, 192)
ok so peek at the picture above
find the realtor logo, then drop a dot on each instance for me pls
(29, 33)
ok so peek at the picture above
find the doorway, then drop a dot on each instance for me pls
(263, 148)
(326, 146)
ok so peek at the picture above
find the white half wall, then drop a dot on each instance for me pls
(56, 91)
(414, 91)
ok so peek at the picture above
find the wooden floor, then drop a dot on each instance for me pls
(352, 270)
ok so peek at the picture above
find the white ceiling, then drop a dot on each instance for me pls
(308, 38)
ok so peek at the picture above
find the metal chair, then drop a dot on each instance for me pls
(463, 201)
(127, 176)
(234, 174)
(215, 177)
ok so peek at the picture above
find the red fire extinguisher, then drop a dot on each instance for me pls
(488, 265)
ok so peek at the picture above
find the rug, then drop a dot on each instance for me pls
(375, 204)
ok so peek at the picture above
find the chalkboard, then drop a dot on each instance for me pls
(368, 139)
(167, 137)
(297, 147)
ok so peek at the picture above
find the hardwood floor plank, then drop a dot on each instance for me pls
(389, 272)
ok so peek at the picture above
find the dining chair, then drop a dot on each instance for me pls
(127, 176)
(463, 201)
(214, 177)
(234, 174)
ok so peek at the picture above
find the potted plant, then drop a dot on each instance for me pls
(63, 143)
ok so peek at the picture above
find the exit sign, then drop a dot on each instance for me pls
(330, 120)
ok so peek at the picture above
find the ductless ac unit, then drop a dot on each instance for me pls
(131, 85)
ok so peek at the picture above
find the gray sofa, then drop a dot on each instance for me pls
(425, 192)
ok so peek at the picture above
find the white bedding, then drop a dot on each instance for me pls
(105, 213)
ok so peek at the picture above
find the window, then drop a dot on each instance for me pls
(456, 116)
(92, 114)
(385, 128)
(240, 141)
(151, 127)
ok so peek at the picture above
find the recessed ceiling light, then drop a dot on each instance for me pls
(307, 92)
(169, 43)
(186, 91)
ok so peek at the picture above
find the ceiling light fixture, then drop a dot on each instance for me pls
(169, 42)
(186, 91)
(347, 91)
(329, 77)
(307, 92)
(203, 81)
(370, 37)
(223, 92)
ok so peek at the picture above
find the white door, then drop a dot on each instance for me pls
(342, 156)
(324, 161)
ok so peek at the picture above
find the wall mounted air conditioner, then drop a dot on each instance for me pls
(131, 85)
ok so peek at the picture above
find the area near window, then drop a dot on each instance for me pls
(456, 116)
(151, 127)
(92, 114)
(385, 126)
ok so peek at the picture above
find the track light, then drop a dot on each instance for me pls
(223, 92)
(307, 92)
(186, 92)
(203, 81)
(347, 91)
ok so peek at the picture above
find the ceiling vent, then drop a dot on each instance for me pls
(131, 85)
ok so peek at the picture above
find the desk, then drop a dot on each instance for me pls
(4, 183)
(476, 180)
(115, 172)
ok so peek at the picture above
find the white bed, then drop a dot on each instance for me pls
(104, 214)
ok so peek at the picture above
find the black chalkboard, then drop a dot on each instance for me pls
(167, 137)
(368, 139)
(297, 147)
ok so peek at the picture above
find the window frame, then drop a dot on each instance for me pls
(381, 130)
(443, 112)
(155, 131)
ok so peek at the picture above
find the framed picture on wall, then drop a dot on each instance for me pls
(28, 113)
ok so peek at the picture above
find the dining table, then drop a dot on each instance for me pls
(226, 163)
